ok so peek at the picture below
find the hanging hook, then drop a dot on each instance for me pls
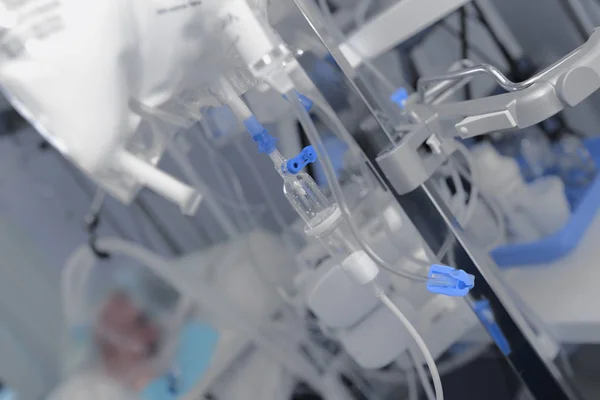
(92, 222)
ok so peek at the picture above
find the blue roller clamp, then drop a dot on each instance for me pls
(297, 164)
(449, 281)
(563, 242)
(197, 347)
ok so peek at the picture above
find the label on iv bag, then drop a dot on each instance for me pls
(171, 6)
(24, 22)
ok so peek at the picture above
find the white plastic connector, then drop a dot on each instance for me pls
(360, 267)
(164, 184)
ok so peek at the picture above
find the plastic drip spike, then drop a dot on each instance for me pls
(260, 136)
(399, 97)
(297, 164)
(449, 281)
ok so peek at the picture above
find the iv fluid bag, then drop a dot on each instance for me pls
(74, 68)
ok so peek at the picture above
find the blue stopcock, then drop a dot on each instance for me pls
(297, 164)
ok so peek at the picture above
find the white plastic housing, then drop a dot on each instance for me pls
(380, 339)
(336, 300)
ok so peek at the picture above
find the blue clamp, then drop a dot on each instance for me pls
(296, 164)
(449, 281)
(399, 97)
(266, 143)
(306, 102)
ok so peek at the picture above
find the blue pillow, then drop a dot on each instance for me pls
(197, 346)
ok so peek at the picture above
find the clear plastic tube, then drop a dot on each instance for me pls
(472, 176)
(435, 375)
(279, 218)
(328, 117)
(250, 220)
(190, 173)
(221, 163)
(444, 367)
(315, 139)
(339, 36)
(422, 374)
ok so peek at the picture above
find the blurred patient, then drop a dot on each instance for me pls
(125, 342)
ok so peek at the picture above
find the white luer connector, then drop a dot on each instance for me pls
(360, 267)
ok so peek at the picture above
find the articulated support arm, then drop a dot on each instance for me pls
(565, 83)
(428, 142)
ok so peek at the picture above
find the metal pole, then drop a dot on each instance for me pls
(515, 337)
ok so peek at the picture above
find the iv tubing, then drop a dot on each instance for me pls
(315, 139)
(329, 118)
(338, 35)
(444, 367)
(245, 206)
(473, 178)
(220, 215)
(422, 374)
(261, 185)
(437, 380)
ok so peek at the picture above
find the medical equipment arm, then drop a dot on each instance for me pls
(426, 144)
(567, 82)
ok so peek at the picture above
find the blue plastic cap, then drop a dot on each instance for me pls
(399, 97)
(296, 164)
(484, 312)
(449, 281)
(265, 142)
(306, 102)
